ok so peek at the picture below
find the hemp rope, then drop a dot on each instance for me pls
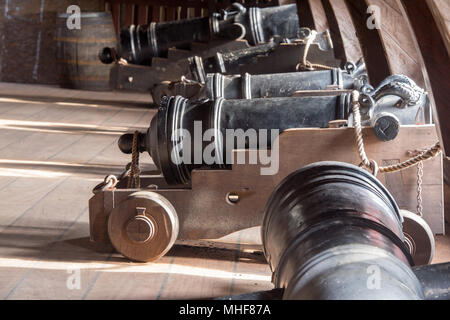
(307, 64)
(133, 179)
(422, 156)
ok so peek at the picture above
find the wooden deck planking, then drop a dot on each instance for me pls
(210, 277)
(76, 206)
(55, 212)
(56, 203)
(23, 108)
(251, 264)
(187, 272)
(233, 269)
(20, 196)
(45, 258)
(39, 132)
(39, 92)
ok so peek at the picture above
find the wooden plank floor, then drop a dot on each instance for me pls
(55, 146)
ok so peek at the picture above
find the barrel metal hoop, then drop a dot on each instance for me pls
(138, 37)
(179, 104)
(167, 122)
(255, 26)
(220, 63)
(247, 86)
(214, 25)
(133, 47)
(153, 39)
(218, 85)
(334, 77)
(218, 139)
(345, 104)
(198, 61)
(340, 81)
(337, 80)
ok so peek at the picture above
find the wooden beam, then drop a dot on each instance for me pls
(284, 2)
(170, 14)
(167, 3)
(371, 42)
(212, 6)
(129, 14)
(198, 12)
(305, 16)
(183, 13)
(441, 13)
(436, 62)
(335, 32)
(155, 13)
(142, 14)
(115, 11)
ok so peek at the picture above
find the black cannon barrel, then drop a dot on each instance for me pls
(173, 137)
(276, 85)
(272, 21)
(434, 278)
(232, 123)
(225, 82)
(331, 230)
(139, 44)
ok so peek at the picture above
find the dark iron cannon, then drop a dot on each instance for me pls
(184, 131)
(139, 44)
(249, 86)
(331, 230)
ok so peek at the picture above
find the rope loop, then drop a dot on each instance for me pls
(373, 166)
(305, 64)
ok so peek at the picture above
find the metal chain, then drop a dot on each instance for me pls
(133, 179)
(419, 188)
(419, 181)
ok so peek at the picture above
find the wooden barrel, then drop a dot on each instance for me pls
(78, 49)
